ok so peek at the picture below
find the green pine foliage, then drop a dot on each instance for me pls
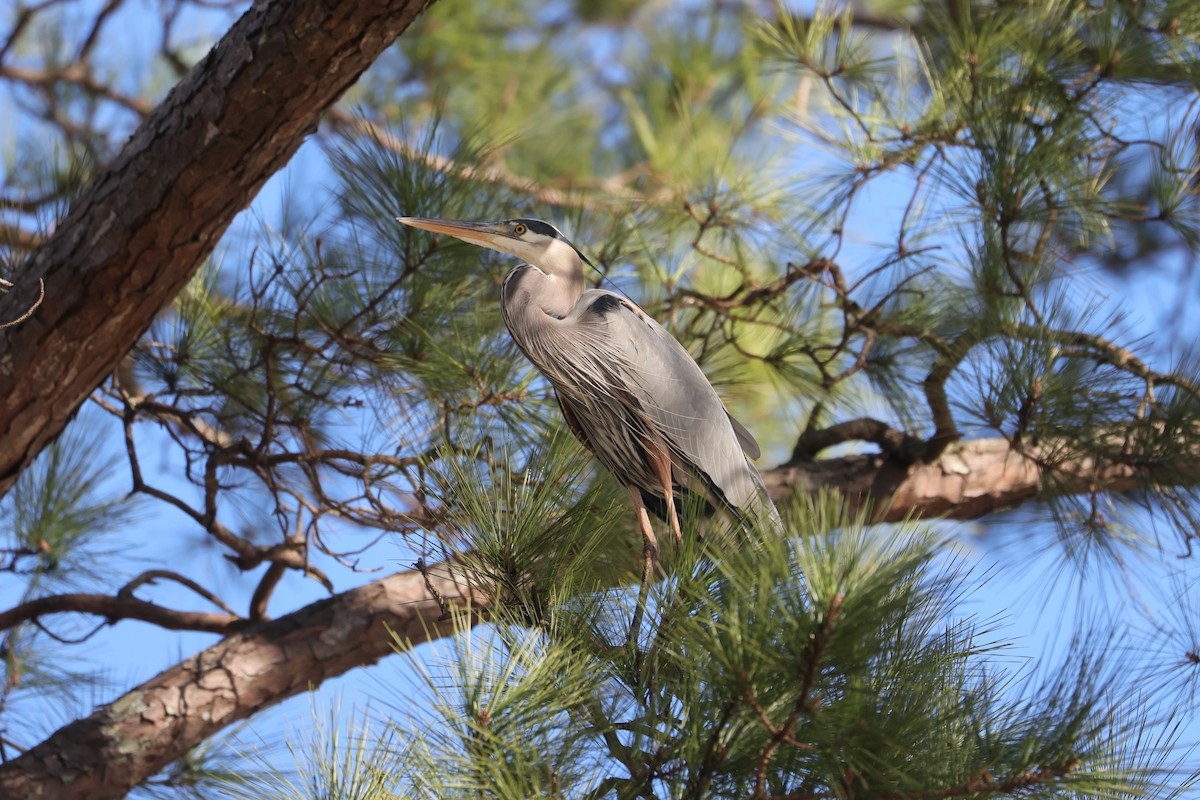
(896, 209)
(836, 665)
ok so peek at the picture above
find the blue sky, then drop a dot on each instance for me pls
(1021, 578)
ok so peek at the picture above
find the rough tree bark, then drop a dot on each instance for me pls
(967, 481)
(121, 744)
(131, 739)
(144, 225)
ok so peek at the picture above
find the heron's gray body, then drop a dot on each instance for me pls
(624, 383)
(630, 392)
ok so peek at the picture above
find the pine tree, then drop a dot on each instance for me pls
(895, 235)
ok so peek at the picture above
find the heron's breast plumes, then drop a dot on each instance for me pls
(591, 379)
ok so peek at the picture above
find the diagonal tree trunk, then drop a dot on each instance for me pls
(121, 744)
(131, 739)
(141, 229)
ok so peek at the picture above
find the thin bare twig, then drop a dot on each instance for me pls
(152, 575)
(118, 608)
(6, 285)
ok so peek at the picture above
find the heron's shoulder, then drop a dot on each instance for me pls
(603, 303)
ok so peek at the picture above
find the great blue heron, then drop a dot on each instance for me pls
(629, 391)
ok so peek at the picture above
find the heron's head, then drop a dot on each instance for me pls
(531, 240)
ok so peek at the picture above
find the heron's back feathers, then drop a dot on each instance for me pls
(626, 386)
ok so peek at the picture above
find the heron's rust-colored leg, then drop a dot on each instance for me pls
(649, 560)
(661, 461)
(649, 540)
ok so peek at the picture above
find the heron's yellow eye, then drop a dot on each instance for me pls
(519, 229)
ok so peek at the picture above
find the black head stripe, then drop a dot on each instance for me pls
(546, 229)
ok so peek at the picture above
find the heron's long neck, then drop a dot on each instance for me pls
(534, 306)
(529, 293)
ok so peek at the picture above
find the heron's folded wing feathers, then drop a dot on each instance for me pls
(679, 400)
(745, 438)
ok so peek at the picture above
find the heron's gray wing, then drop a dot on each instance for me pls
(677, 398)
(745, 438)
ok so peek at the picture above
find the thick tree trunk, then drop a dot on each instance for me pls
(141, 229)
(131, 739)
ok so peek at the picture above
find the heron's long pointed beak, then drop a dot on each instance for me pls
(487, 234)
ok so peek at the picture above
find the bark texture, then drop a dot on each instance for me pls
(130, 740)
(144, 225)
(967, 481)
(108, 753)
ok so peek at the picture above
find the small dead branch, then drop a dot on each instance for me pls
(7, 286)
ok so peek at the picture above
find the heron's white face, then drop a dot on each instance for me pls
(549, 253)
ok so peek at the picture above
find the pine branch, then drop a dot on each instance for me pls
(891, 441)
(985, 784)
(607, 194)
(124, 743)
(968, 480)
(77, 75)
(138, 233)
(269, 662)
(115, 608)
